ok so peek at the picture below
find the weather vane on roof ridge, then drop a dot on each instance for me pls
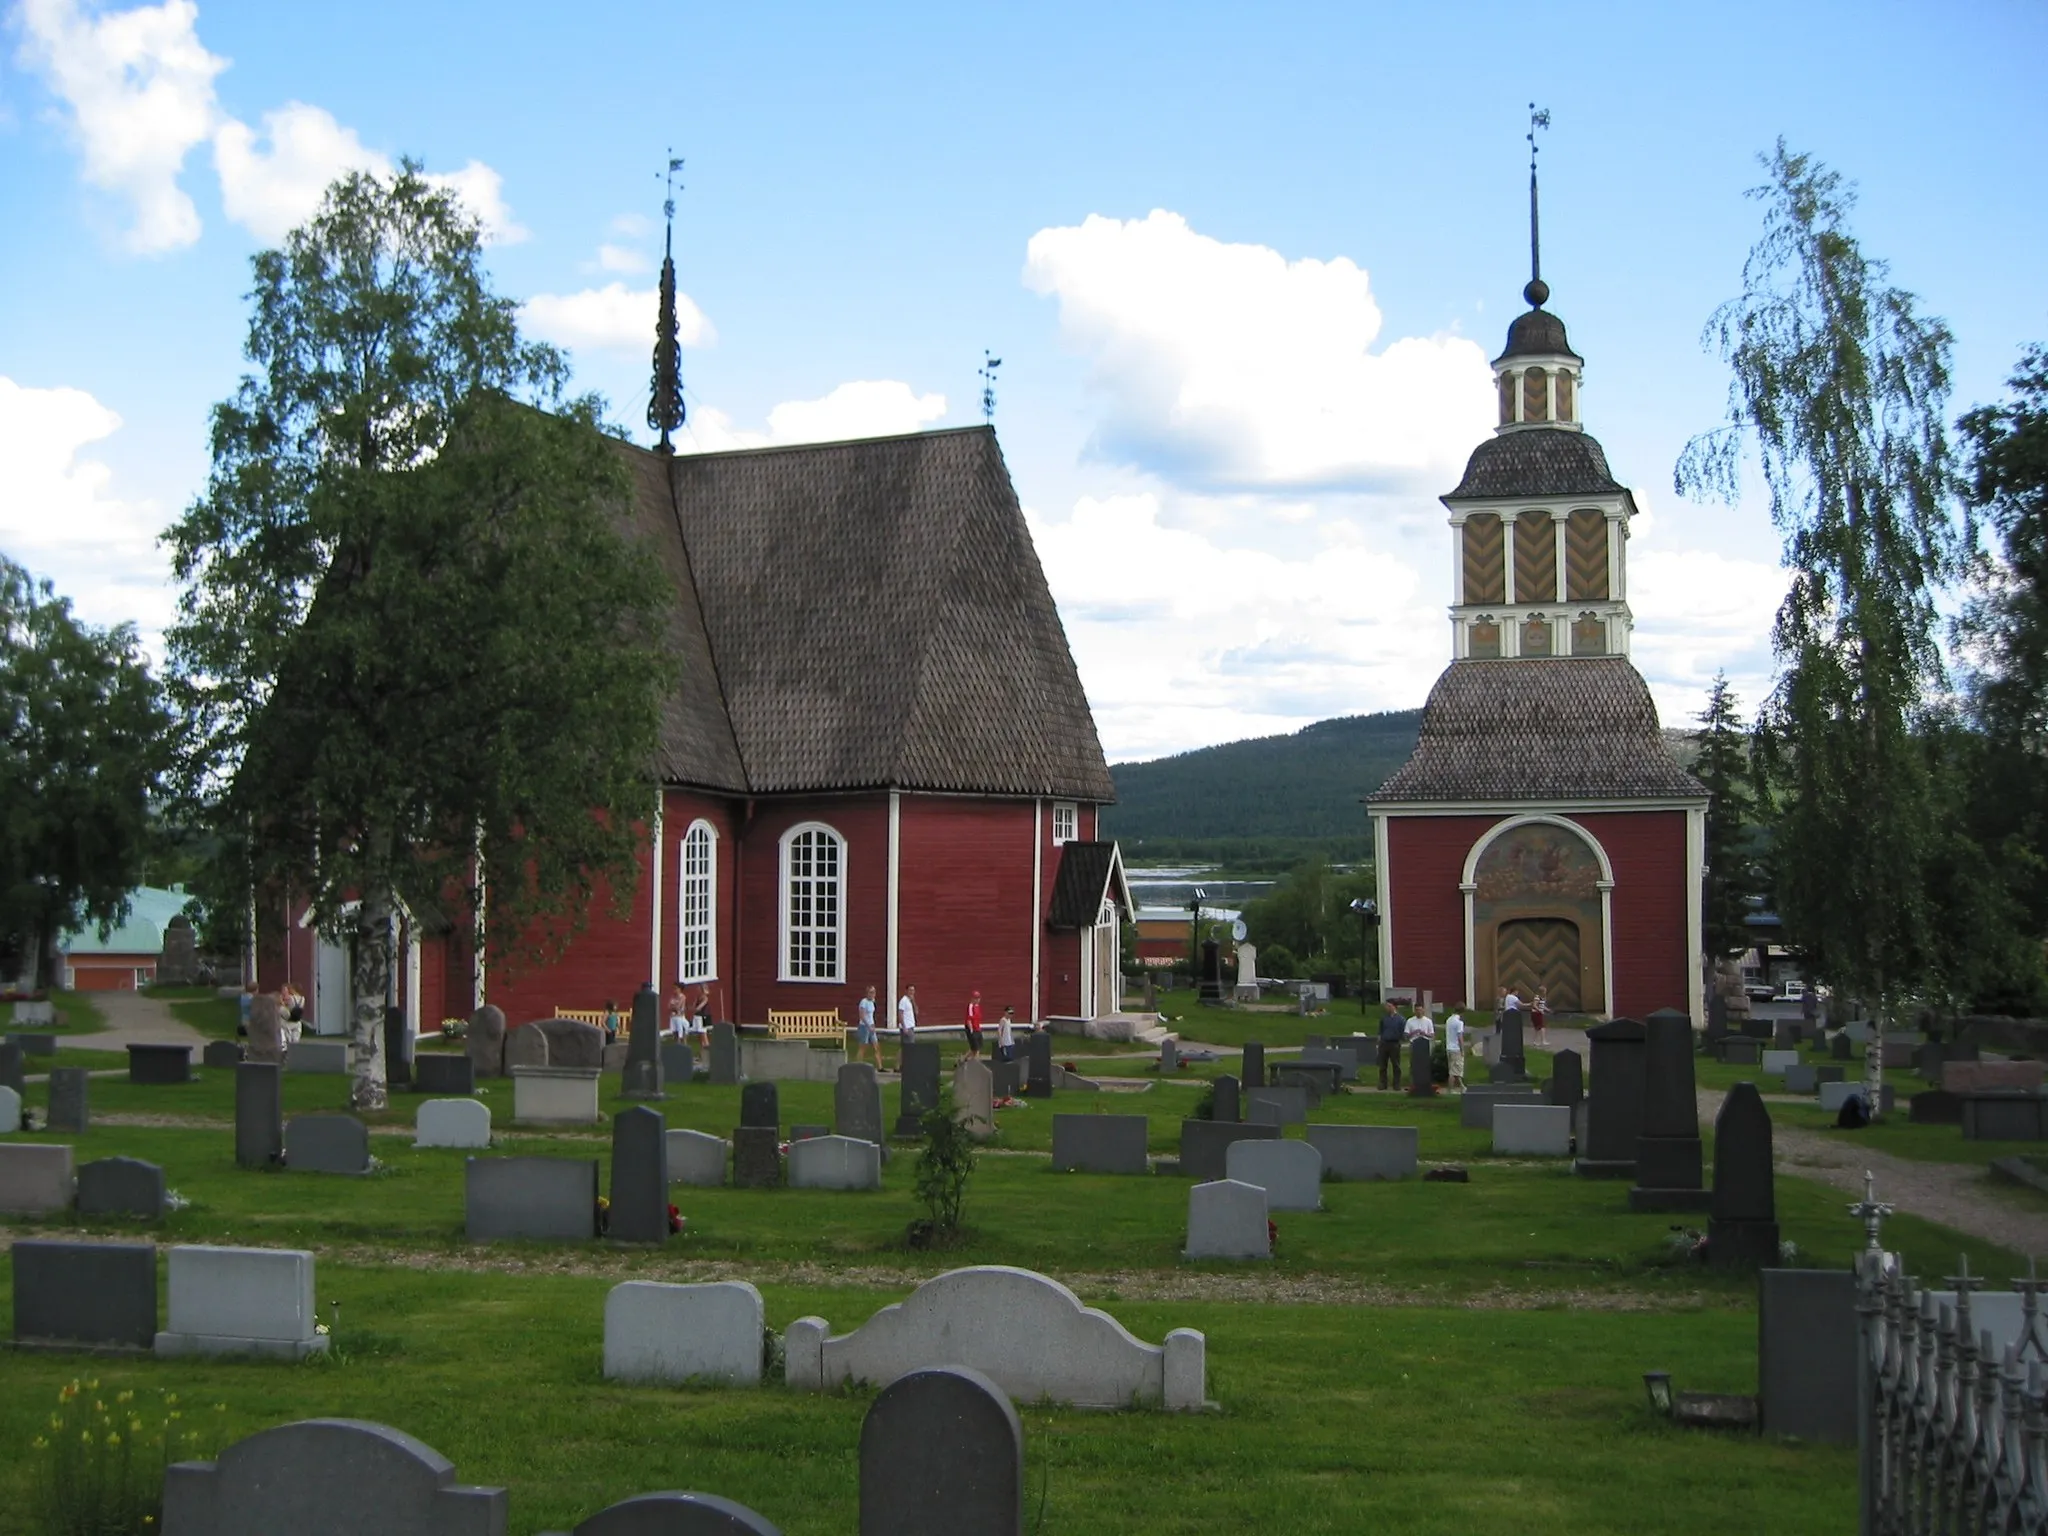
(665, 410)
(1538, 290)
(668, 203)
(989, 364)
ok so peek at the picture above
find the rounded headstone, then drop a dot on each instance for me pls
(485, 1041)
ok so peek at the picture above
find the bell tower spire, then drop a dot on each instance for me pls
(1537, 290)
(665, 410)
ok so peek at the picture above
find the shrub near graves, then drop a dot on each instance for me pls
(99, 1461)
(943, 1169)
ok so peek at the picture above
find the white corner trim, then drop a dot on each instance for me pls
(656, 878)
(895, 892)
(1037, 903)
(1695, 910)
(1382, 880)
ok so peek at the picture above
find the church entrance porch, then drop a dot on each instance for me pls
(1537, 891)
(1535, 954)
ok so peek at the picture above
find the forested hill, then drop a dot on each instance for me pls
(1306, 785)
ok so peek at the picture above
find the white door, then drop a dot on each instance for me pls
(332, 1012)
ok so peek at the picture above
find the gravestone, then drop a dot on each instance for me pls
(1290, 1104)
(675, 1514)
(1802, 1078)
(1669, 1171)
(1099, 1143)
(525, 1046)
(1741, 1051)
(1253, 1067)
(1928, 1059)
(555, 1095)
(1775, 1062)
(676, 1334)
(695, 1157)
(259, 1113)
(725, 1056)
(221, 1053)
(918, 1092)
(326, 1144)
(1169, 1057)
(1421, 1080)
(1360, 1152)
(157, 1064)
(678, 1062)
(1227, 1220)
(397, 1049)
(1510, 1043)
(942, 1454)
(974, 1098)
(121, 1186)
(266, 1029)
(70, 1099)
(756, 1158)
(1829, 1074)
(1343, 1058)
(1785, 1036)
(572, 1043)
(452, 1123)
(1224, 1106)
(241, 1301)
(1319, 1080)
(644, 1067)
(1567, 1080)
(1759, 1029)
(1038, 1065)
(1937, 1106)
(1742, 1229)
(1211, 988)
(1532, 1130)
(35, 1179)
(835, 1162)
(177, 964)
(530, 1199)
(1009, 1077)
(1290, 1172)
(857, 1102)
(1614, 1100)
(326, 1057)
(1992, 1076)
(1265, 1112)
(1807, 1351)
(1205, 1144)
(2002, 1116)
(444, 1072)
(33, 1044)
(484, 1044)
(1476, 1105)
(10, 1111)
(327, 1475)
(639, 1176)
(1840, 1046)
(1834, 1094)
(12, 1073)
(761, 1104)
(85, 1295)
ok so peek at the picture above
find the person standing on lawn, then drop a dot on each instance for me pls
(1454, 1047)
(864, 1037)
(1393, 1029)
(1006, 1039)
(1539, 1009)
(974, 1026)
(906, 1023)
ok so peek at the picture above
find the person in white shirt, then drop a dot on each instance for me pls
(1422, 1026)
(864, 1039)
(906, 1023)
(1454, 1047)
(1006, 1039)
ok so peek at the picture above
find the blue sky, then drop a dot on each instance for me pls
(1243, 265)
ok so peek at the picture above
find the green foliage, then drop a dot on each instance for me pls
(1307, 921)
(1723, 766)
(99, 1460)
(85, 740)
(943, 1168)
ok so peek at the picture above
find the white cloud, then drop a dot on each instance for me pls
(59, 518)
(618, 258)
(273, 183)
(139, 87)
(1229, 365)
(1698, 613)
(482, 191)
(863, 408)
(613, 316)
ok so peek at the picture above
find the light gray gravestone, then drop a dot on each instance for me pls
(835, 1162)
(1169, 1057)
(1099, 1143)
(259, 1114)
(443, 1072)
(1227, 1220)
(534, 1199)
(159, 1064)
(484, 1043)
(1291, 1103)
(676, 1514)
(695, 1157)
(10, 1110)
(526, 1046)
(35, 1179)
(643, 1046)
(1342, 1057)
(70, 1100)
(725, 1056)
(1776, 1063)
(639, 1177)
(327, 1475)
(225, 1054)
(1038, 1065)
(974, 1099)
(1204, 1143)
(242, 1301)
(554, 1095)
(1224, 1103)
(452, 1123)
(1362, 1152)
(1290, 1172)
(85, 1295)
(1833, 1095)
(121, 1186)
(1532, 1130)
(572, 1043)
(323, 1057)
(761, 1105)
(1265, 1112)
(326, 1144)
(673, 1334)
(756, 1157)
(918, 1092)
(942, 1454)
(857, 1102)
(266, 1029)
(678, 1063)
(1806, 1354)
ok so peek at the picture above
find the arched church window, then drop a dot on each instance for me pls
(813, 904)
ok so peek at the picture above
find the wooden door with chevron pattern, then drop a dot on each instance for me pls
(1533, 952)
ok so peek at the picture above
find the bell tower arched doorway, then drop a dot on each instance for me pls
(1539, 954)
(1536, 891)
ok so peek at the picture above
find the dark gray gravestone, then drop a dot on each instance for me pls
(1758, 1029)
(725, 1055)
(678, 1062)
(1009, 1077)
(1986, 1116)
(1829, 1074)
(397, 1049)
(1476, 1105)
(1511, 1052)
(1254, 1065)
(1038, 1065)
(326, 1144)
(1741, 1051)
(1211, 990)
(1669, 1159)
(676, 1514)
(643, 1050)
(1205, 1146)
(1742, 1229)
(571, 1042)
(1937, 1106)
(70, 1099)
(537, 1199)
(1801, 1078)
(639, 1176)
(327, 1475)
(1421, 1081)
(942, 1454)
(525, 1046)
(87, 1295)
(808, 1132)
(12, 1073)
(1099, 1143)
(1311, 1082)
(1614, 1099)
(857, 1102)
(1567, 1079)
(1285, 1106)
(1840, 1047)
(259, 1113)
(1806, 1353)
(756, 1157)
(1785, 1037)
(761, 1105)
(1928, 1060)
(444, 1072)
(220, 1053)
(919, 1090)
(1224, 1107)
(121, 1186)
(158, 1064)
(484, 1044)
(34, 1043)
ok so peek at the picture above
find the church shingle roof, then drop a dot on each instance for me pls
(1536, 461)
(1558, 728)
(1087, 877)
(862, 615)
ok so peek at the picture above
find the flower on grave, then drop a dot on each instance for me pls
(1272, 1234)
(320, 1328)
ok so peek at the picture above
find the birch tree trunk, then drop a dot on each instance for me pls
(370, 984)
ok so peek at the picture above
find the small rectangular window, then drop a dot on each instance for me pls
(1066, 822)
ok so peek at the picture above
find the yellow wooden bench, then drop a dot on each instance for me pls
(595, 1017)
(805, 1024)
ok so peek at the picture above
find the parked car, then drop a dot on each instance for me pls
(1793, 992)
(1758, 991)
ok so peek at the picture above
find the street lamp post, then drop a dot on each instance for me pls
(1195, 936)
(1368, 912)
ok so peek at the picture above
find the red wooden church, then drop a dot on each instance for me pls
(1541, 835)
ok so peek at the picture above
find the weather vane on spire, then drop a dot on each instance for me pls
(665, 404)
(1538, 290)
(989, 364)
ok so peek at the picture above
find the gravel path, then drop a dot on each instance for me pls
(133, 1019)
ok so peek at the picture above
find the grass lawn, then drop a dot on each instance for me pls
(203, 1008)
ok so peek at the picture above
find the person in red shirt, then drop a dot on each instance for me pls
(974, 1026)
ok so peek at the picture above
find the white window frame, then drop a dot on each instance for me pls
(1069, 813)
(697, 904)
(786, 896)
